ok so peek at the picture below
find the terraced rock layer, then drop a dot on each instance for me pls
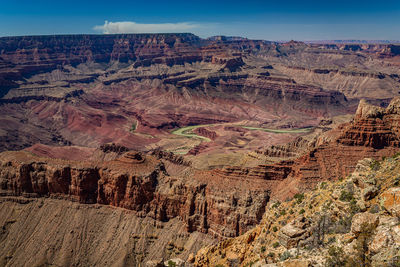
(138, 183)
(373, 133)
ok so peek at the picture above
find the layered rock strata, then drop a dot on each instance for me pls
(136, 182)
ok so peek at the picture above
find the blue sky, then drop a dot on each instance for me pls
(270, 20)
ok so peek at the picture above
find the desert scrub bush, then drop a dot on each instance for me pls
(275, 229)
(302, 211)
(331, 239)
(323, 185)
(282, 212)
(396, 155)
(354, 208)
(375, 165)
(336, 258)
(291, 211)
(346, 196)
(285, 255)
(276, 205)
(263, 249)
(275, 245)
(250, 264)
(133, 127)
(299, 198)
(271, 255)
(171, 263)
(343, 226)
(327, 205)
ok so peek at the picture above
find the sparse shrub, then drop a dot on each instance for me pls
(346, 196)
(285, 255)
(275, 245)
(344, 225)
(276, 205)
(302, 211)
(291, 211)
(263, 249)
(274, 228)
(396, 155)
(171, 263)
(323, 185)
(310, 206)
(283, 212)
(331, 239)
(354, 208)
(336, 258)
(299, 198)
(327, 205)
(133, 127)
(271, 255)
(375, 165)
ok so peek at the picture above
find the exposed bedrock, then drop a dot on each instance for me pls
(373, 133)
(139, 183)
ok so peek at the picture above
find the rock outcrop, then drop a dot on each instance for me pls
(332, 225)
(140, 183)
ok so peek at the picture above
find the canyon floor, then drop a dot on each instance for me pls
(169, 149)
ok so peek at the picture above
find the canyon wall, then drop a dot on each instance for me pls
(138, 183)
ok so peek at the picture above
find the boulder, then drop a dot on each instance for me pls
(390, 200)
(370, 192)
(155, 263)
(382, 240)
(363, 219)
(291, 234)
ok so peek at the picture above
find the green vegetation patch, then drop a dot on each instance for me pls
(301, 130)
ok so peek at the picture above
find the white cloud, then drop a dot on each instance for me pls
(133, 27)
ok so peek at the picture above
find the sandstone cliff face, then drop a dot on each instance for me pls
(139, 183)
(99, 48)
(374, 127)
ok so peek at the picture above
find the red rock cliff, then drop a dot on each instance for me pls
(139, 183)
